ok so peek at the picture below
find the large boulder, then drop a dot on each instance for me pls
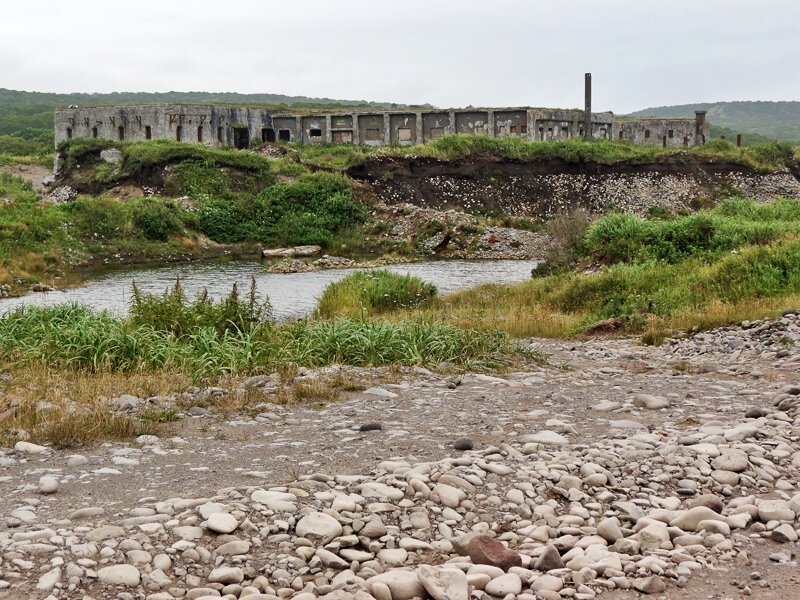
(485, 550)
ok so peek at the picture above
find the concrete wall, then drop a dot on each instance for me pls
(210, 125)
(437, 124)
(241, 126)
(667, 133)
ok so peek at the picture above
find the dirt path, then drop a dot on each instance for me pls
(34, 173)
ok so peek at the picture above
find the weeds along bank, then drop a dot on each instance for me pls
(649, 276)
(652, 276)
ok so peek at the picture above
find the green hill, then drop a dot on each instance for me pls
(772, 120)
(34, 110)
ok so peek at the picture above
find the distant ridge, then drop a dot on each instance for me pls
(22, 110)
(772, 120)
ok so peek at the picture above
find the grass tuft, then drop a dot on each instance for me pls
(368, 293)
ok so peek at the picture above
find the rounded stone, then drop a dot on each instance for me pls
(443, 583)
(48, 485)
(775, 510)
(222, 523)
(403, 585)
(650, 402)
(226, 575)
(319, 527)
(463, 444)
(731, 460)
(502, 586)
(127, 575)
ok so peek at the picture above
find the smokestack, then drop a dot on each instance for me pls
(587, 117)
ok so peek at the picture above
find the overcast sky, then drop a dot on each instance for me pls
(448, 53)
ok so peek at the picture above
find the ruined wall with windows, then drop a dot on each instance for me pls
(240, 127)
(666, 133)
(210, 125)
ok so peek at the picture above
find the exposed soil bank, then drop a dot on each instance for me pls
(532, 188)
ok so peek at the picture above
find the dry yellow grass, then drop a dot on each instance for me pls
(718, 314)
(522, 310)
(70, 408)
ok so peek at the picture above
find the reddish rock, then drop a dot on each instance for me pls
(484, 550)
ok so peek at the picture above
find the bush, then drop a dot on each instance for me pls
(566, 232)
(374, 292)
(156, 221)
(312, 210)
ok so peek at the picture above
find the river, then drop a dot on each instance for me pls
(292, 295)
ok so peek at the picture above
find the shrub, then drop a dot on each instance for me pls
(99, 218)
(156, 221)
(566, 232)
(230, 221)
(373, 292)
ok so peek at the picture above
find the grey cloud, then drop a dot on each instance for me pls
(449, 53)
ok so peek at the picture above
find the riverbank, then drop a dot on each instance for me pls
(614, 470)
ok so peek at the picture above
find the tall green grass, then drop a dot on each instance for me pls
(175, 313)
(368, 293)
(625, 290)
(168, 333)
(706, 234)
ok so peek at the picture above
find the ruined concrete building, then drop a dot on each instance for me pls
(240, 127)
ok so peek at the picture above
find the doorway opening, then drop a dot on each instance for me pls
(267, 134)
(241, 138)
(121, 133)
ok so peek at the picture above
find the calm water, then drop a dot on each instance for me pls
(292, 295)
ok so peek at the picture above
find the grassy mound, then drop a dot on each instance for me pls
(374, 292)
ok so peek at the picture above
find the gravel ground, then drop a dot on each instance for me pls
(617, 470)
